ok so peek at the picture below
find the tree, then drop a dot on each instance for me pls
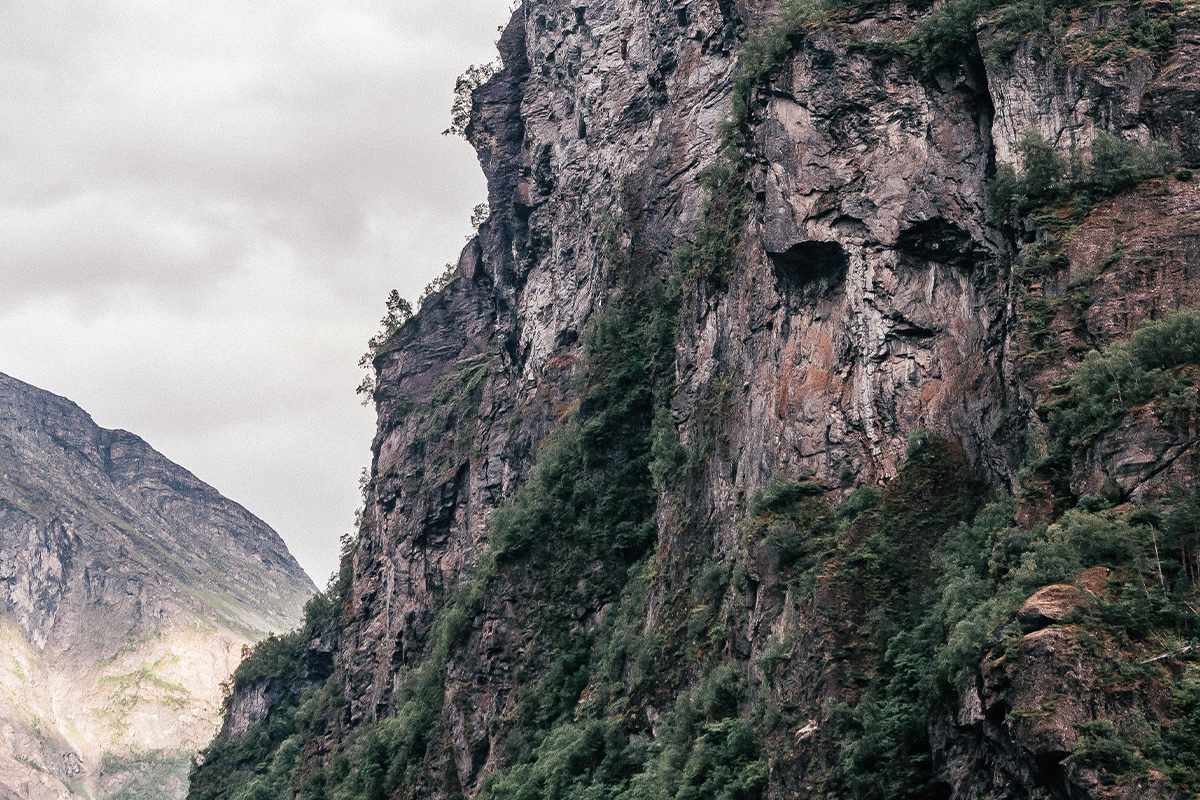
(1042, 166)
(475, 76)
(399, 311)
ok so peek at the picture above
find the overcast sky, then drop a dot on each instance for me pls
(202, 209)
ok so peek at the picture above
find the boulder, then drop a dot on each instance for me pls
(1047, 606)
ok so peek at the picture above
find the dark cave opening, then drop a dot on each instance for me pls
(937, 240)
(806, 266)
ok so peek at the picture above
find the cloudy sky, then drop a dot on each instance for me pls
(202, 209)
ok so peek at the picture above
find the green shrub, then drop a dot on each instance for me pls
(273, 658)
(398, 312)
(1100, 747)
(1115, 165)
(1104, 539)
(464, 90)
(229, 765)
(861, 500)
(781, 495)
(943, 38)
(1179, 533)
(1106, 385)
(1003, 192)
(1020, 19)
(1145, 31)
(591, 487)
(763, 52)
(1170, 342)
(719, 235)
(790, 518)
(1181, 739)
(704, 749)
(669, 457)
(570, 760)
(588, 750)
(1042, 166)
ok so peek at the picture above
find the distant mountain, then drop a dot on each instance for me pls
(128, 589)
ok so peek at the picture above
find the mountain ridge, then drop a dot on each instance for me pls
(134, 586)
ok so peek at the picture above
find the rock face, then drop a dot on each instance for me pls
(866, 312)
(612, 113)
(129, 589)
(1047, 606)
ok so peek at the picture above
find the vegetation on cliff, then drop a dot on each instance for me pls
(947, 33)
(587, 501)
(983, 572)
(931, 589)
(810, 647)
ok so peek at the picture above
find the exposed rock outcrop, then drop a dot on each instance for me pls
(1047, 606)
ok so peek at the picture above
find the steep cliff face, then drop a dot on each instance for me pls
(129, 589)
(804, 198)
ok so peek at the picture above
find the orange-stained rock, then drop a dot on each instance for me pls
(1094, 580)
(1047, 606)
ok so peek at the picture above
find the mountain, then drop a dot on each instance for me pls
(129, 589)
(813, 416)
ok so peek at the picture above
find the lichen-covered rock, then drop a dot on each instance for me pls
(249, 706)
(1172, 103)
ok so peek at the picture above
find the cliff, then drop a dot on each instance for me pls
(800, 350)
(129, 589)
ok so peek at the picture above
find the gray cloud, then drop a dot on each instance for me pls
(203, 208)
